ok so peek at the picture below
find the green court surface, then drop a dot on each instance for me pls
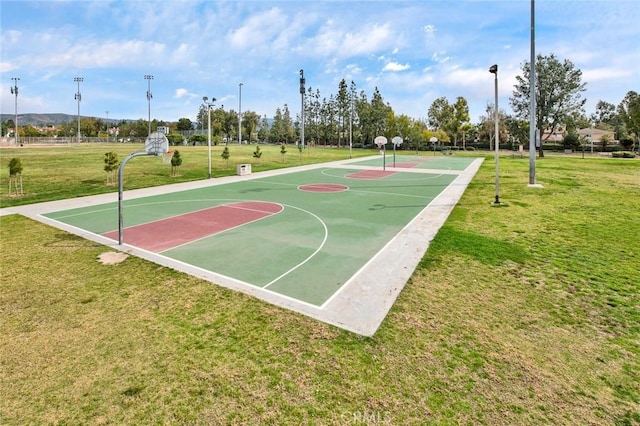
(335, 221)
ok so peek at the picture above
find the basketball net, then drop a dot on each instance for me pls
(167, 156)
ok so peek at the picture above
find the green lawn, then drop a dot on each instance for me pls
(527, 313)
(65, 171)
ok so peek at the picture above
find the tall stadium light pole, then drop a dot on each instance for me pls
(240, 115)
(107, 123)
(14, 91)
(532, 101)
(78, 98)
(208, 105)
(149, 97)
(494, 70)
(302, 108)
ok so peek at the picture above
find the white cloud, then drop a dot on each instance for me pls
(259, 29)
(429, 29)
(367, 40)
(206, 47)
(395, 67)
(603, 74)
(436, 57)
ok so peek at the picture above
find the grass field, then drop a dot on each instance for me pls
(523, 314)
(66, 171)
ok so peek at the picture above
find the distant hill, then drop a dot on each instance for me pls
(45, 119)
(58, 118)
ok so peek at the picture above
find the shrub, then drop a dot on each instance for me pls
(225, 155)
(197, 139)
(15, 167)
(571, 141)
(176, 161)
(257, 154)
(175, 139)
(623, 154)
(111, 164)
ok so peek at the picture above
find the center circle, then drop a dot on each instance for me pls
(323, 187)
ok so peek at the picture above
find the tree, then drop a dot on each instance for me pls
(558, 93)
(629, 111)
(379, 112)
(283, 151)
(184, 124)
(197, 139)
(225, 156)
(518, 130)
(487, 126)
(342, 100)
(175, 138)
(289, 129)
(110, 166)
(257, 154)
(571, 140)
(15, 177)
(459, 119)
(440, 114)
(263, 130)
(278, 128)
(439, 134)
(605, 114)
(176, 161)
(250, 121)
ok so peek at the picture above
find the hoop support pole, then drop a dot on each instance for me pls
(120, 191)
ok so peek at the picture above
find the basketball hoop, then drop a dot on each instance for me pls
(156, 144)
(167, 156)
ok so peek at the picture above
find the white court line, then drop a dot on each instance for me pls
(324, 240)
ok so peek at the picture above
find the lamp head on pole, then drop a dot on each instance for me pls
(493, 69)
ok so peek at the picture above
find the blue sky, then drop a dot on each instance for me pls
(413, 51)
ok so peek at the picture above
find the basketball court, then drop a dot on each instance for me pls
(335, 241)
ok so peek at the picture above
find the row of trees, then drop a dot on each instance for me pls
(89, 127)
(352, 116)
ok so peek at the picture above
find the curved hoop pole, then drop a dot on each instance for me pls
(120, 191)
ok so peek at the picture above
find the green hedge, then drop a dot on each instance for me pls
(623, 154)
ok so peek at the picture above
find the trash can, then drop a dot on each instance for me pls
(243, 169)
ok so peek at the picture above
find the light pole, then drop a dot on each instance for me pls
(14, 91)
(302, 108)
(107, 123)
(494, 70)
(208, 105)
(532, 101)
(240, 115)
(78, 98)
(149, 96)
(352, 96)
